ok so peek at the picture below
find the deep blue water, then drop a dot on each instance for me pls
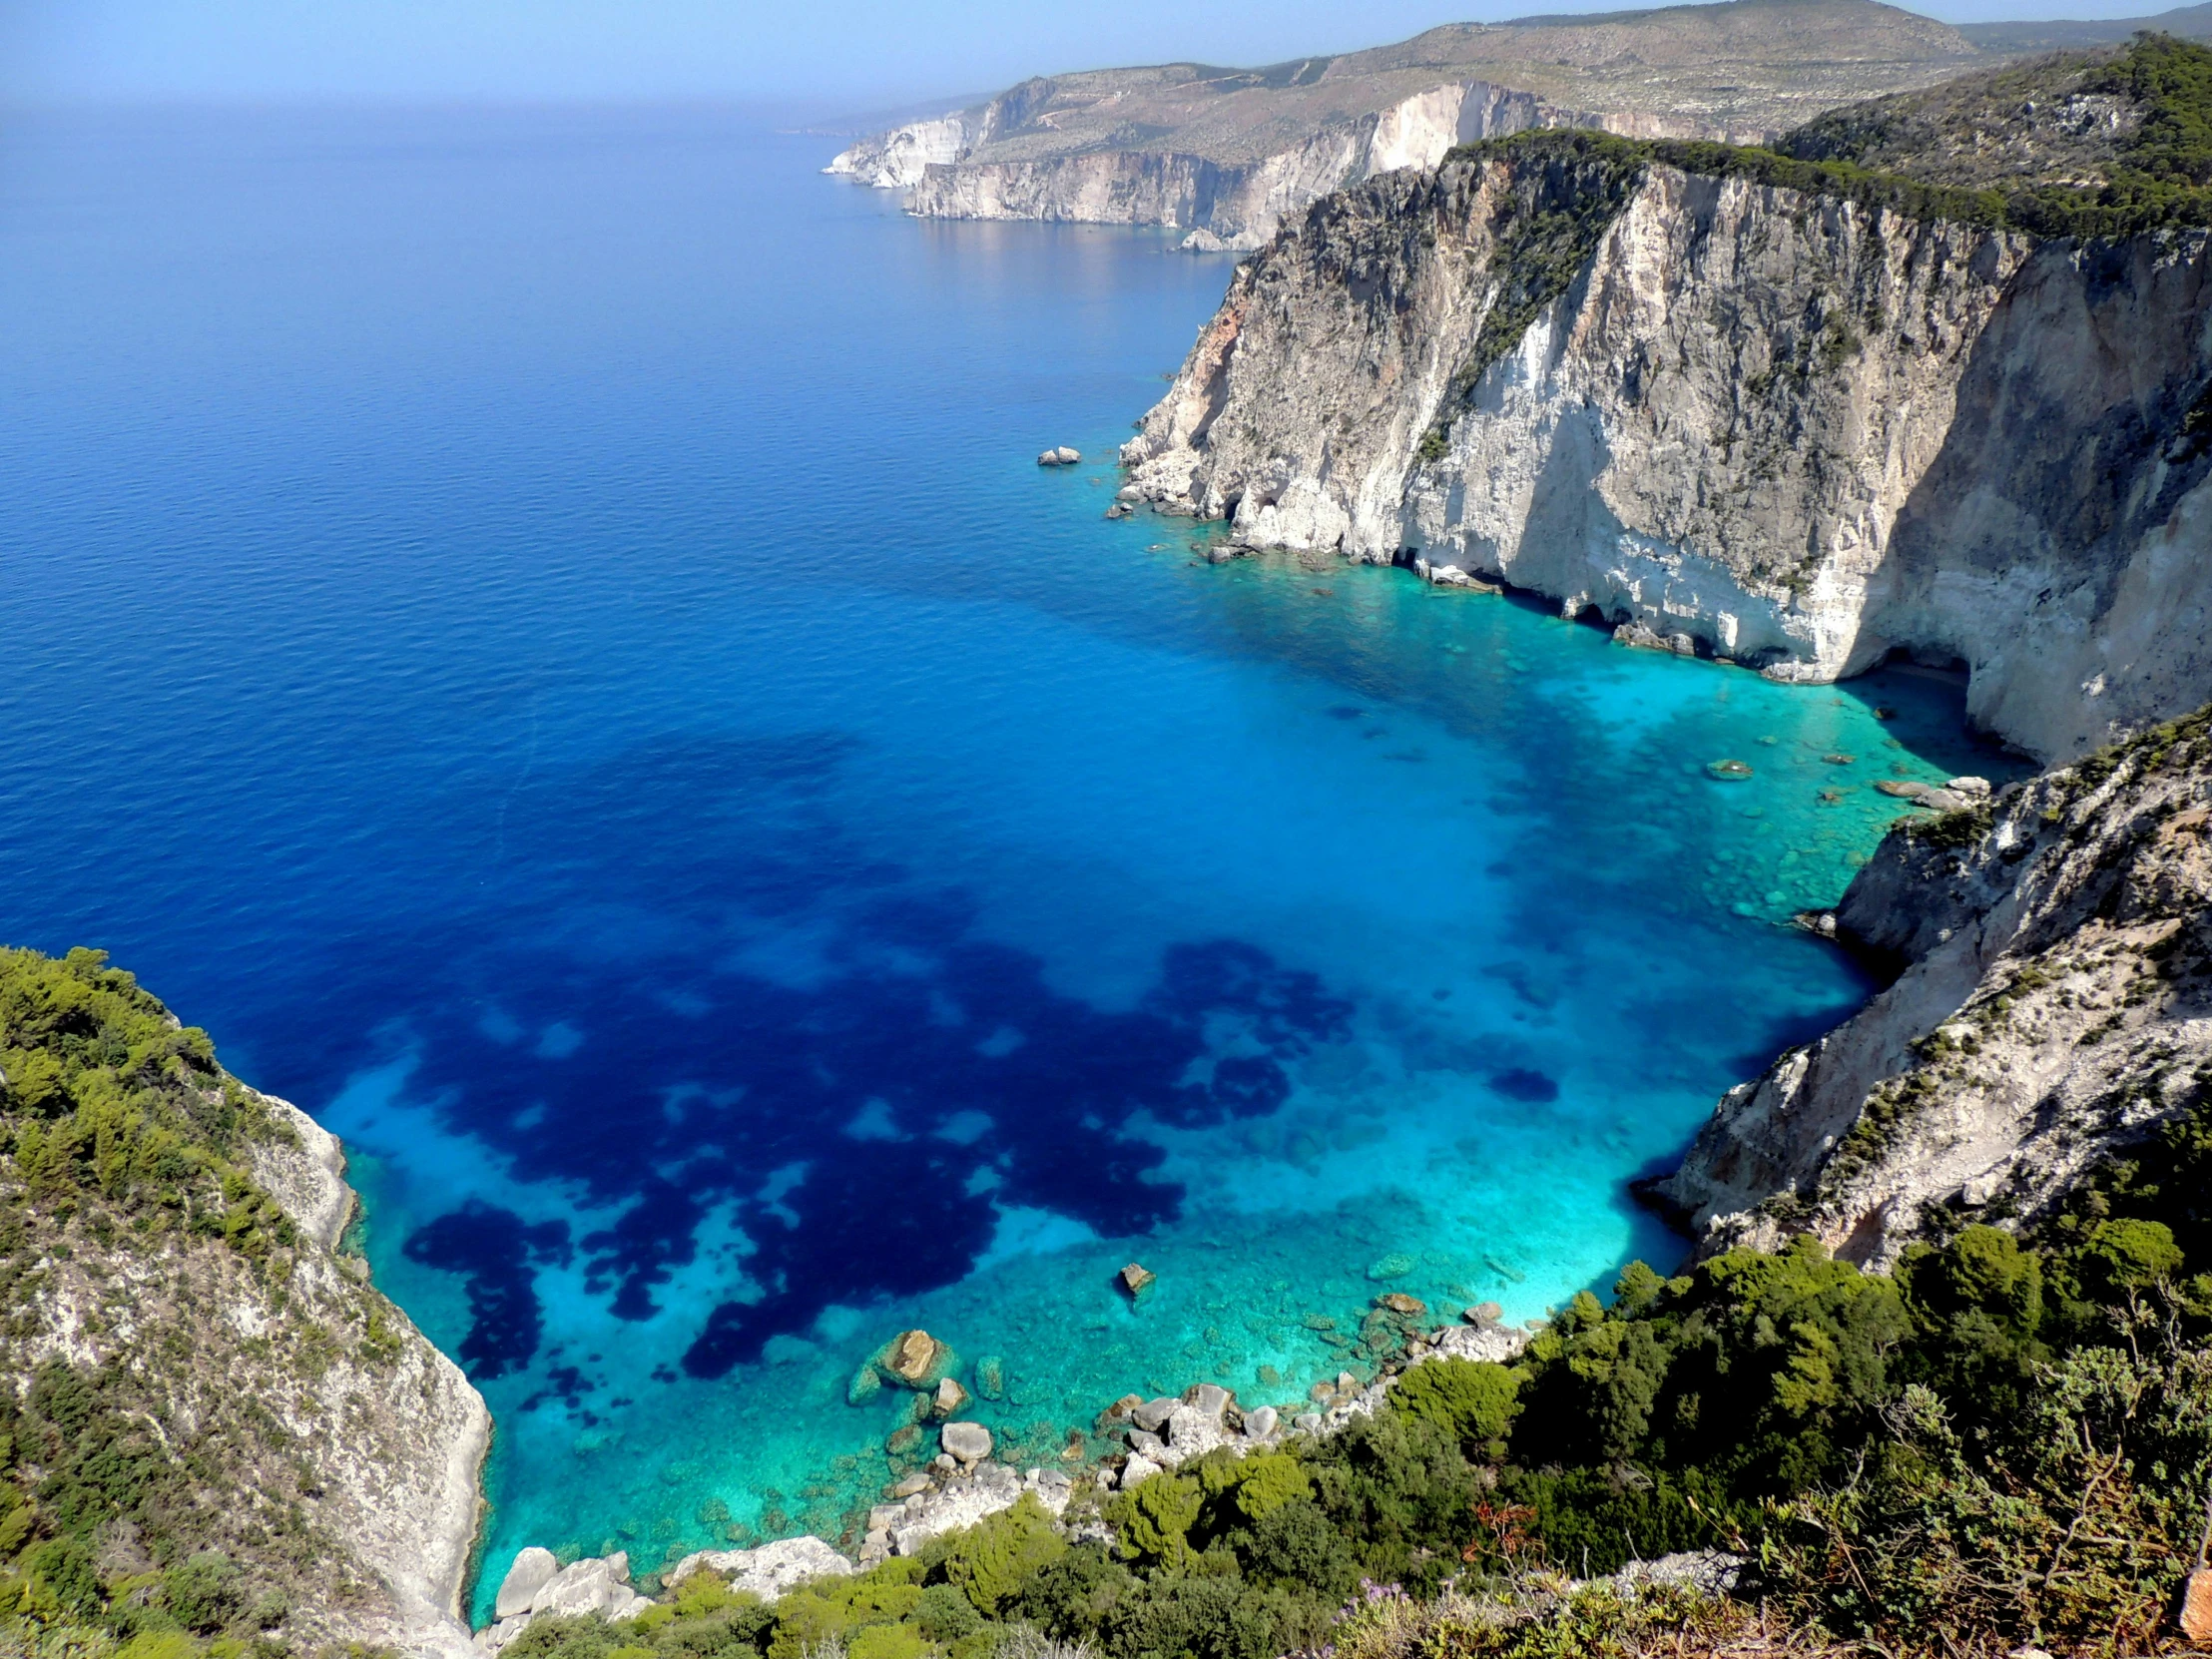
(543, 632)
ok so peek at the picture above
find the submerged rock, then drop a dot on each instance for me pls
(1397, 1302)
(990, 1377)
(970, 1443)
(915, 1358)
(1396, 1265)
(1728, 772)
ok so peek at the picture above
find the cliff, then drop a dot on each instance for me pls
(213, 1425)
(1228, 155)
(2055, 1009)
(1808, 428)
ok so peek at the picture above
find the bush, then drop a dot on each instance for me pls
(1471, 1398)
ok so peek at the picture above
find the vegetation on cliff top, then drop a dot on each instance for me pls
(2153, 169)
(119, 1526)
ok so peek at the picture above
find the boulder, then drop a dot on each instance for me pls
(1129, 495)
(532, 1568)
(596, 1584)
(769, 1570)
(1978, 788)
(1137, 1470)
(1396, 1265)
(949, 1398)
(1397, 1302)
(2194, 1617)
(1260, 1425)
(1135, 1279)
(1152, 1415)
(1068, 456)
(970, 1443)
(913, 1357)
(1306, 1422)
(1145, 1444)
(1483, 1313)
(912, 1485)
(1209, 1400)
(1903, 789)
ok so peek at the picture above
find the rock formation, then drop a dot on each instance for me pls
(1226, 156)
(1795, 430)
(2056, 1006)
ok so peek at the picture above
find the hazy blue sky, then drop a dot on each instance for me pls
(847, 53)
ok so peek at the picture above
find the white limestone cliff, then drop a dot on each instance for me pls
(1806, 433)
(2057, 1008)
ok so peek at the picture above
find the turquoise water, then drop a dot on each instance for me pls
(544, 632)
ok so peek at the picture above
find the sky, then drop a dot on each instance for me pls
(807, 56)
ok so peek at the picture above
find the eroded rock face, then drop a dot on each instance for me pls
(2057, 1005)
(300, 1389)
(1803, 433)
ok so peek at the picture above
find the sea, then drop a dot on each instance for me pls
(543, 631)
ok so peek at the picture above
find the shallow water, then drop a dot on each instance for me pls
(544, 632)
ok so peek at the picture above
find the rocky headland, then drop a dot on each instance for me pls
(1801, 414)
(206, 1402)
(1227, 156)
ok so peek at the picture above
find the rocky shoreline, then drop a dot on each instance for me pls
(966, 1483)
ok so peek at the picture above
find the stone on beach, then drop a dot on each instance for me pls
(1152, 1415)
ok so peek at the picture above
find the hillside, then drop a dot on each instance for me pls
(211, 1426)
(1229, 152)
(2060, 35)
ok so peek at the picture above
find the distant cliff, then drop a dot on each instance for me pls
(1807, 427)
(211, 1424)
(1227, 156)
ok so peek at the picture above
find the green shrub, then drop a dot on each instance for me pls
(1154, 1520)
(993, 1560)
(1473, 1400)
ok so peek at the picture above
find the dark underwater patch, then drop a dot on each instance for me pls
(709, 1058)
(494, 1252)
(1522, 1083)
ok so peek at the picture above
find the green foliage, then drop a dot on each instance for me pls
(1154, 1520)
(1473, 1400)
(992, 1561)
(106, 1093)
(1251, 1487)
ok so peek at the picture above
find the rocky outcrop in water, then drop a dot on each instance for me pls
(2055, 1009)
(1804, 432)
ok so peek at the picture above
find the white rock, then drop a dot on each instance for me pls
(769, 1569)
(1260, 1422)
(1498, 1342)
(596, 1584)
(970, 1443)
(1976, 786)
(1152, 1415)
(1137, 1471)
(532, 1568)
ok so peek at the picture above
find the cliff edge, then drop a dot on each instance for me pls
(1228, 155)
(2055, 1009)
(1807, 414)
(209, 1422)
